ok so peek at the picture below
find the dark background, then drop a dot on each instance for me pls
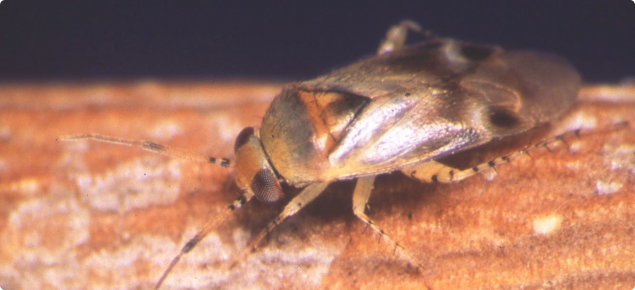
(46, 40)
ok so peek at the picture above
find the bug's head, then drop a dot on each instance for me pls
(253, 171)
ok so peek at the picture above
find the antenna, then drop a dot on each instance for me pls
(165, 150)
(149, 146)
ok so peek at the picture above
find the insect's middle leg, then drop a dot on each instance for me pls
(360, 199)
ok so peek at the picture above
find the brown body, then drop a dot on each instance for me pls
(403, 108)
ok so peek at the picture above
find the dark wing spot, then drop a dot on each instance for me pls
(503, 118)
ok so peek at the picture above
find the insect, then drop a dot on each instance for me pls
(404, 109)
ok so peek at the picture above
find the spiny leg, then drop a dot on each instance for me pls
(362, 192)
(397, 34)
(435, 172)
(149, 146)
(307, 195)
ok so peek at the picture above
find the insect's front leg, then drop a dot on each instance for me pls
(397, 34)
(305, 197)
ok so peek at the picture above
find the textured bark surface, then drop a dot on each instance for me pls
(88, 215)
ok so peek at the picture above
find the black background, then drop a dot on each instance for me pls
(292, 40)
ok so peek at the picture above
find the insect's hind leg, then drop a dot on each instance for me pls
(361, 195)
(435, 172)
(397, 34)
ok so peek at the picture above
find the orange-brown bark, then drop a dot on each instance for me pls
(87, 215)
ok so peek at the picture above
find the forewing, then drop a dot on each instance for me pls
(442, 97)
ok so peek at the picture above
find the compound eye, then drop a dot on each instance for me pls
(243, 137)
(266, 187)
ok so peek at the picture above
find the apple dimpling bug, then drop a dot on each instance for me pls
(404, 109)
